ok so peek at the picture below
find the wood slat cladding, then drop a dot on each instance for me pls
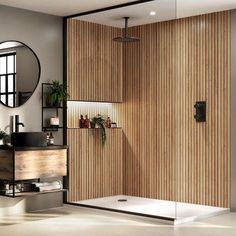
(94, 62)
(167, 154)
(6, 165)
(95, 170)
(40, 164)
(204, 72)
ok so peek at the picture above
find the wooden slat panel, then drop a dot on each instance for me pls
(94, 62)
(95, 170)
(6, 165)
(148, 112)
(40, 164)
(167, 155)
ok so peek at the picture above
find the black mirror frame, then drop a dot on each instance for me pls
(39, 75)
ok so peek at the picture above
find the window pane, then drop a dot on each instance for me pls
(3, 84)
(10, 100)
(2, 65)
(3, 99)
(10, 64)
(10, 84)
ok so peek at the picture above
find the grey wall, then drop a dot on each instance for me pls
(43, 33)
(233, 113)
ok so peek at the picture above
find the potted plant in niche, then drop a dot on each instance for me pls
(100, 122)
(3, 135)
(57, 93)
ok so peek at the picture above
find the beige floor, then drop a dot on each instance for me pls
(71, 221)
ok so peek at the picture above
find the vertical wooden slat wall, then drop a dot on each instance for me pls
(95, 170)
(166, 154)
(94, 62)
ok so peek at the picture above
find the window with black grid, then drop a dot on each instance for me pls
(8, 78)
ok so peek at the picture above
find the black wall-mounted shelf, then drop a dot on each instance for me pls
(47, 107)
(51, 129)
(57, 110)
(26, 194)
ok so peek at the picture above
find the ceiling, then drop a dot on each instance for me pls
(61, 7)
(165, 9)
(198, 7)
(139, 14)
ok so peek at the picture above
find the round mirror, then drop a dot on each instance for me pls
(19, 73)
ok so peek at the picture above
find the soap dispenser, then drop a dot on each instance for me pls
(51, 139)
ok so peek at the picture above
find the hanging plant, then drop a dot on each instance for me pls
(100, 122)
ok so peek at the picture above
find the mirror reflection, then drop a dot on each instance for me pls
(19, 73)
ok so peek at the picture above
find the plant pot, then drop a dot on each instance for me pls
(53, 104)
(92, 125)
(57, 104)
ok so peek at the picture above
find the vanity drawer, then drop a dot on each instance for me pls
(40, 164)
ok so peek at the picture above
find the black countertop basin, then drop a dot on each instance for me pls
(29, 139)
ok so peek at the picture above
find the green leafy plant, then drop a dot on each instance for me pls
(100, 122)
(2, 135)
(57, 93)
(7, 139)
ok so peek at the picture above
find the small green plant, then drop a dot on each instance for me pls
(100, 122)
(57, 93)
(2, 135)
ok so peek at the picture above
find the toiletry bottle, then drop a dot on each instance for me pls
(51, 139)
(48, 138)
(108, 122)
(113, 125)
(86, 122)
(81, 121)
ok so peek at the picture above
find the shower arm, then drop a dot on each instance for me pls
(125, 34)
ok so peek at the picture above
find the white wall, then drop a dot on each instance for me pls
(42, 33)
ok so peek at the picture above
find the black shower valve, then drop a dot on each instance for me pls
(200, 115)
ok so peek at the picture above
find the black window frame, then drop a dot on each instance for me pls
(7, 93)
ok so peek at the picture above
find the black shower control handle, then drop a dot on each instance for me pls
(200, 115)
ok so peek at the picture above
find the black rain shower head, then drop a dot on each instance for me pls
(125, 38)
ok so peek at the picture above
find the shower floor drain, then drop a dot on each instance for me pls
(122, 200)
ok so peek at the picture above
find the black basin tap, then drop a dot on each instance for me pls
(18, 123)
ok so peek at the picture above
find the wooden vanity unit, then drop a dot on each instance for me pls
(32, 163)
